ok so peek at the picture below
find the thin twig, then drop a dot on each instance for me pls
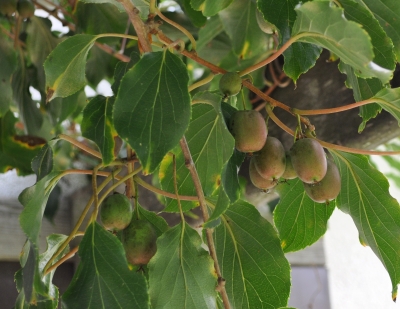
(80, 145)
(62, 260)
(203, 206)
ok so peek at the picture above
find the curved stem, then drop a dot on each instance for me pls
(62, 260)
(278, 121)
(95, 193)
(80, 145)
(202, 82)
(179, 27)
(358, 151)
(152, 7)
(332, 110)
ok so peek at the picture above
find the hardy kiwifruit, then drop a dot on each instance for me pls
(270, 161)
(308, 160)
(249, 130)
(289, 172)
(116, 212)
(230, 84)
(8, 7)
(328, 188)
(25, 8)
(257, 180)
(139, 241)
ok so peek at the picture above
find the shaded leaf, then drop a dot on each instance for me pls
(299, 220)
(230, 178)
(239, 21)
(365, 197)
(210, 7)
(196, 17)
(221, 205)
(251, 259)
(181, 273)
(97, 125)
(159, 224)
(53, 204)
(212, 28)
(62, 108)
(100, 65)
(103, 279)
(42, 163)
(389, 99)
(321, 24)
(141, 5)
(114, 2)
(120, 70)
(152, 109)
(211, 146)
(8, 59)
(65, 66)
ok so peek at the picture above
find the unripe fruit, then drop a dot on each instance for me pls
(25, 8)
(8, 7)
(116, 212)
(308, 160)
(289, 170)
(270, 162)
(328, 188)
(230, 84)
(257, 180)
(265, 26)
(249, 130)
(139, 241)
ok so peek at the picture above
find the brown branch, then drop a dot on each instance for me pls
(62, 260)
(203, 206)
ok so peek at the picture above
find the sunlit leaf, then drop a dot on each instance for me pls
(8, 59)
(299, 220)
(103, 279)
(210, 7)
(389, 99)
(321, 24)
(365, 197)
(252, 262)
(181, 273)
(65, 66)
(152, 109)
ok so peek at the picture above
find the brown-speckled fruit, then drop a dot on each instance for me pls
(328, 188)
(230, 84)
(139, 241)
(8, 7)
(289, 172)
(249, 130)
(257, 180)
(116, 212)
(308, 160)
(270, 161)
(25, 8)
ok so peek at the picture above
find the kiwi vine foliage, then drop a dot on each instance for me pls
(152, 109)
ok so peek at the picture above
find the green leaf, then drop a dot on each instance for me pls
(211, 146)
(53, 203)
(159, 224)
(221, 205)
(210, 7)
(103, 279)
(299, 220)
(387, 12)
(99, 65)
(97, 125)
(251, 259)
(365, 197)
(152, 109)
(229, 176)
(62, 108)
(239, 21)
(181, 273)
(389, 99)
(65, 66)
(382, 44)
(42, 163)
(114, 2)
(16, 151)
(8, 59)
(212, 28)
(120, 70)
(321, 24)
(34, 200)
(362, 89)
(196, 17)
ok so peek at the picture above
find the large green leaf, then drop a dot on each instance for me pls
(152, 109)
(16, 151)
(382, 44)
(97, 125)
(252, 262)
(211, 146)
(212, 28)
(363, 89)
(210, 7)
(120, 70)
(239, 20)
(103, 279)
(8, 59)
(299, 220)
(42, 163)
(387, 12)
(65, 66)
(158, 222)
(389, 99)
(181, 273)
(195, 17)
(321, 24)
(365, 197)
(230, 178)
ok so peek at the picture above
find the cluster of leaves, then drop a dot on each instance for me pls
(152, 109)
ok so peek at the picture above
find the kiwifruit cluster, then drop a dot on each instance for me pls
(306, 159)
(137, 236)
(25, 8)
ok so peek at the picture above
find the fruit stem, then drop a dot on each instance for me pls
(179, 27)
(203, 206)
(244, 104)
(334, 109)
(95, 192)
(201, 82)
(69, 255)
(80, 145)
(277, 120)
